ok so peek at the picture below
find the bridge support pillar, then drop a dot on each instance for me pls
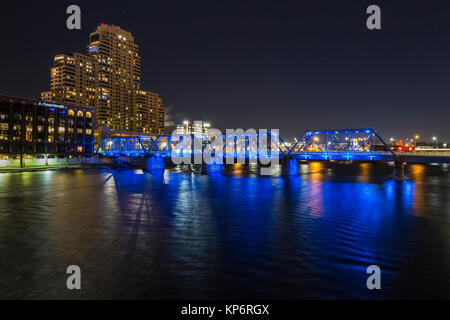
(211, 168)
(289, 166)
(399, 173)
(152, 163)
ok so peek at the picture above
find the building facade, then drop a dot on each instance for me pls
(72, 80)
(196, 127)
(32, 130)
(149, 113)
(108, 78)
(118, 70)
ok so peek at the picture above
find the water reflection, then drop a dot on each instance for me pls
(364, 173)
(180, 234)
(417, 172)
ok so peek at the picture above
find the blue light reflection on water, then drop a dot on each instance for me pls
(183, 235)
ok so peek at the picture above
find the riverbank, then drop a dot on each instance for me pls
(46, 168)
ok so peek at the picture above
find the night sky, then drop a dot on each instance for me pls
(252, 64)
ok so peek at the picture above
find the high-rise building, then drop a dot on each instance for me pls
(118, 69)
(72, 80)
(108, 78)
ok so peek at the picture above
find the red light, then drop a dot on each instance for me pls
(102, 24)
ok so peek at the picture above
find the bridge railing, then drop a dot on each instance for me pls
(121, 145)
(425, 153)
(248, 144)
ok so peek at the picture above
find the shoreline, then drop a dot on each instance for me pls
(50, 168)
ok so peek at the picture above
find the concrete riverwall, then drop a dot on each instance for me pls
(34, 162)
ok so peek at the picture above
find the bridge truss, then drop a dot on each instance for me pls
(348, 144)
(242, 145)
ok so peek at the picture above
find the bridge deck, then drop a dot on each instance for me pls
(425, 156)
(357, 156)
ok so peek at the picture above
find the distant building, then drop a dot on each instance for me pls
(108, 78)
(196, 127)
(36, 130)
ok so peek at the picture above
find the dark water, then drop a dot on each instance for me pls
(232, 235)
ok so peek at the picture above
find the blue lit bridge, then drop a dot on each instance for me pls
(240, 147)
(364, 144)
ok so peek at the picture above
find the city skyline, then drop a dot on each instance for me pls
(265, 64)
(107, 77)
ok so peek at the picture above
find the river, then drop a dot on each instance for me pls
(236, 235)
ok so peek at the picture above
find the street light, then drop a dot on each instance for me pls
(435, 139)
(416, 138)
(392, 142)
